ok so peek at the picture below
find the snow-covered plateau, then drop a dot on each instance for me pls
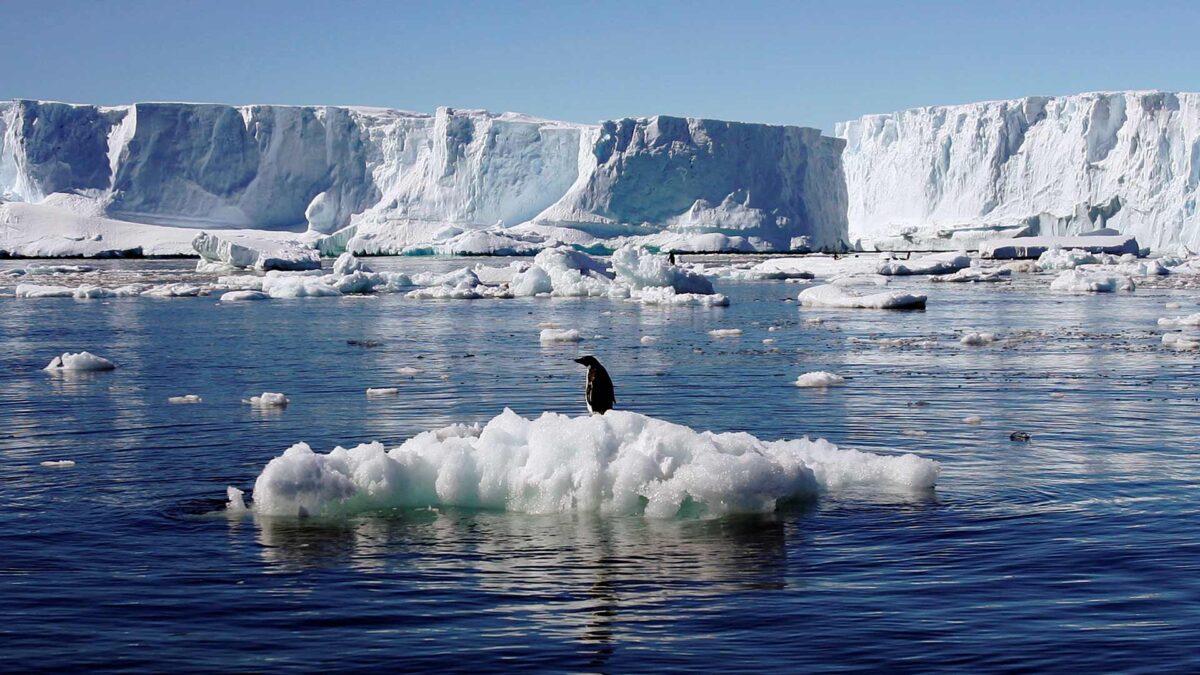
(149, 178)
(953, 177)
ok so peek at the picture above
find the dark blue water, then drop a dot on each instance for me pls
(1076, 551)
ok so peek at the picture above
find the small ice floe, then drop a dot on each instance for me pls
(837, 297)
(819, 378)
(550, 335)
(548, 324)
(408, 371)
(383, 391)
(1181, 342)
(768, 341)
(1172, 305)
(935, 263)
(978, 339)
(186, 398)
(972, 419)
(914, 432)
(236, 497)
(1057, 394)
(648, 339)
(1078, 281)
(814, 321)
(1180, 321)
(772, 329)
(244, 296)
(267, 400)
(725, 332)
(973, 275)
(59, 463)
(82, 361)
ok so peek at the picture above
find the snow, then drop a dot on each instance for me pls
(80, 361)
(1038, 165)
(829, 295)
(560, 335)
(268, 400)
(1079, 281)
(819, 379)
(186, 398)
(617, 463)
(149, 177)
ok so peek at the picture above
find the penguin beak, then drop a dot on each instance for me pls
(580, 360)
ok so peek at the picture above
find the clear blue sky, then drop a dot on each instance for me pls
(810, 63)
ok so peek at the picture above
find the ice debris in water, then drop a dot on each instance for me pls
(558, 335)
(186, 398)
(59, 464)
(978, 339)
(383, 391)
(1179, 321)
(621, 462)
(236, 500)
(244, 296)
(648, 339)
(408, 371)
(268, 400)
(725, 332)
(918, 433)
(819, 378)
(973, 419)
(80, 361)
(834, 296)
(1079, 281)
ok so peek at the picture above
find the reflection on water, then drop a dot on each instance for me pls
(1075, 551)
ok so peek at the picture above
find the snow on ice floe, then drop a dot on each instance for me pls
(268, 400)
(82, 361)
(551, 335)
(620, 463)
(185, 399)
(1078, 281)
(935, 263)
(243, 252)
(243, 296)
(819, 379)
(832, 296)
(975, 275)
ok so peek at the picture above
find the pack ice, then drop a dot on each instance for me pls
(621, 462)
(86, 180)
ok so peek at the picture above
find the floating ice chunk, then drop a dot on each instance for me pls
(1172, 305)
(665, 295)
(245, 252)
(918, 433)
(973, 419)
(648, 339)
(177, 290)
(725, 332)
(39, 268)
(978, 339)
(236, 501)
(41, 291)
(974, 275)
(1057, 259)
(296, 286)
(639, 268)
(268, 400)
(59, 463)
(819, 378)
(833, 296)
(531, 282)
(80, 361)
(937, 263)
(559, 335)
(244, 296)
(1179, 321)
(1077, 281)
(1057, 394)
(768, 341)
(1181, 341)
(186, 398)
(620, 463)
(348, 264)
(408, 371)
(549, 324)
(383, 391)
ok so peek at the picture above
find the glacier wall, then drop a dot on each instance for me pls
(402, 178)
(1039, 165)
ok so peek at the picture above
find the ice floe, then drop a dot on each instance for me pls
(621, 463)
(1078, 281)
(185, 399)
(81, 361)
(819, 378)
(549, 335)
(268, 400)
(832, 296)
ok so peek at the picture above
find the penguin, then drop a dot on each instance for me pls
(599, 393)
(671, 257)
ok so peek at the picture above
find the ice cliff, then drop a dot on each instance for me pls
(386, 181)
(1039, 165)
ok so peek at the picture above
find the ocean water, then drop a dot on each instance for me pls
(1079, 550)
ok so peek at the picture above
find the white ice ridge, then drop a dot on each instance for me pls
(88, 180)
(620, 463)
(947, 176)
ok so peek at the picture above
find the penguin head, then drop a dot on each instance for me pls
(588, 361)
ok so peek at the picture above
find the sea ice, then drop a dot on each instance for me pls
(59, 464)
(383, 391)
(186, 398)
(936, 263)
(244, 296)
(559, 335)
(1078, 281)
(819, 378)
(725, 332)
(833, 296)
(978, 339)
(620, 463)
(268, 400)
(80, 361)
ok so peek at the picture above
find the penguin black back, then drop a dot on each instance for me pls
(599, 393)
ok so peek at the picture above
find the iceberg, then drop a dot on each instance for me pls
(150, 177)
(80, 361)
(617, 463)
(950, 177)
